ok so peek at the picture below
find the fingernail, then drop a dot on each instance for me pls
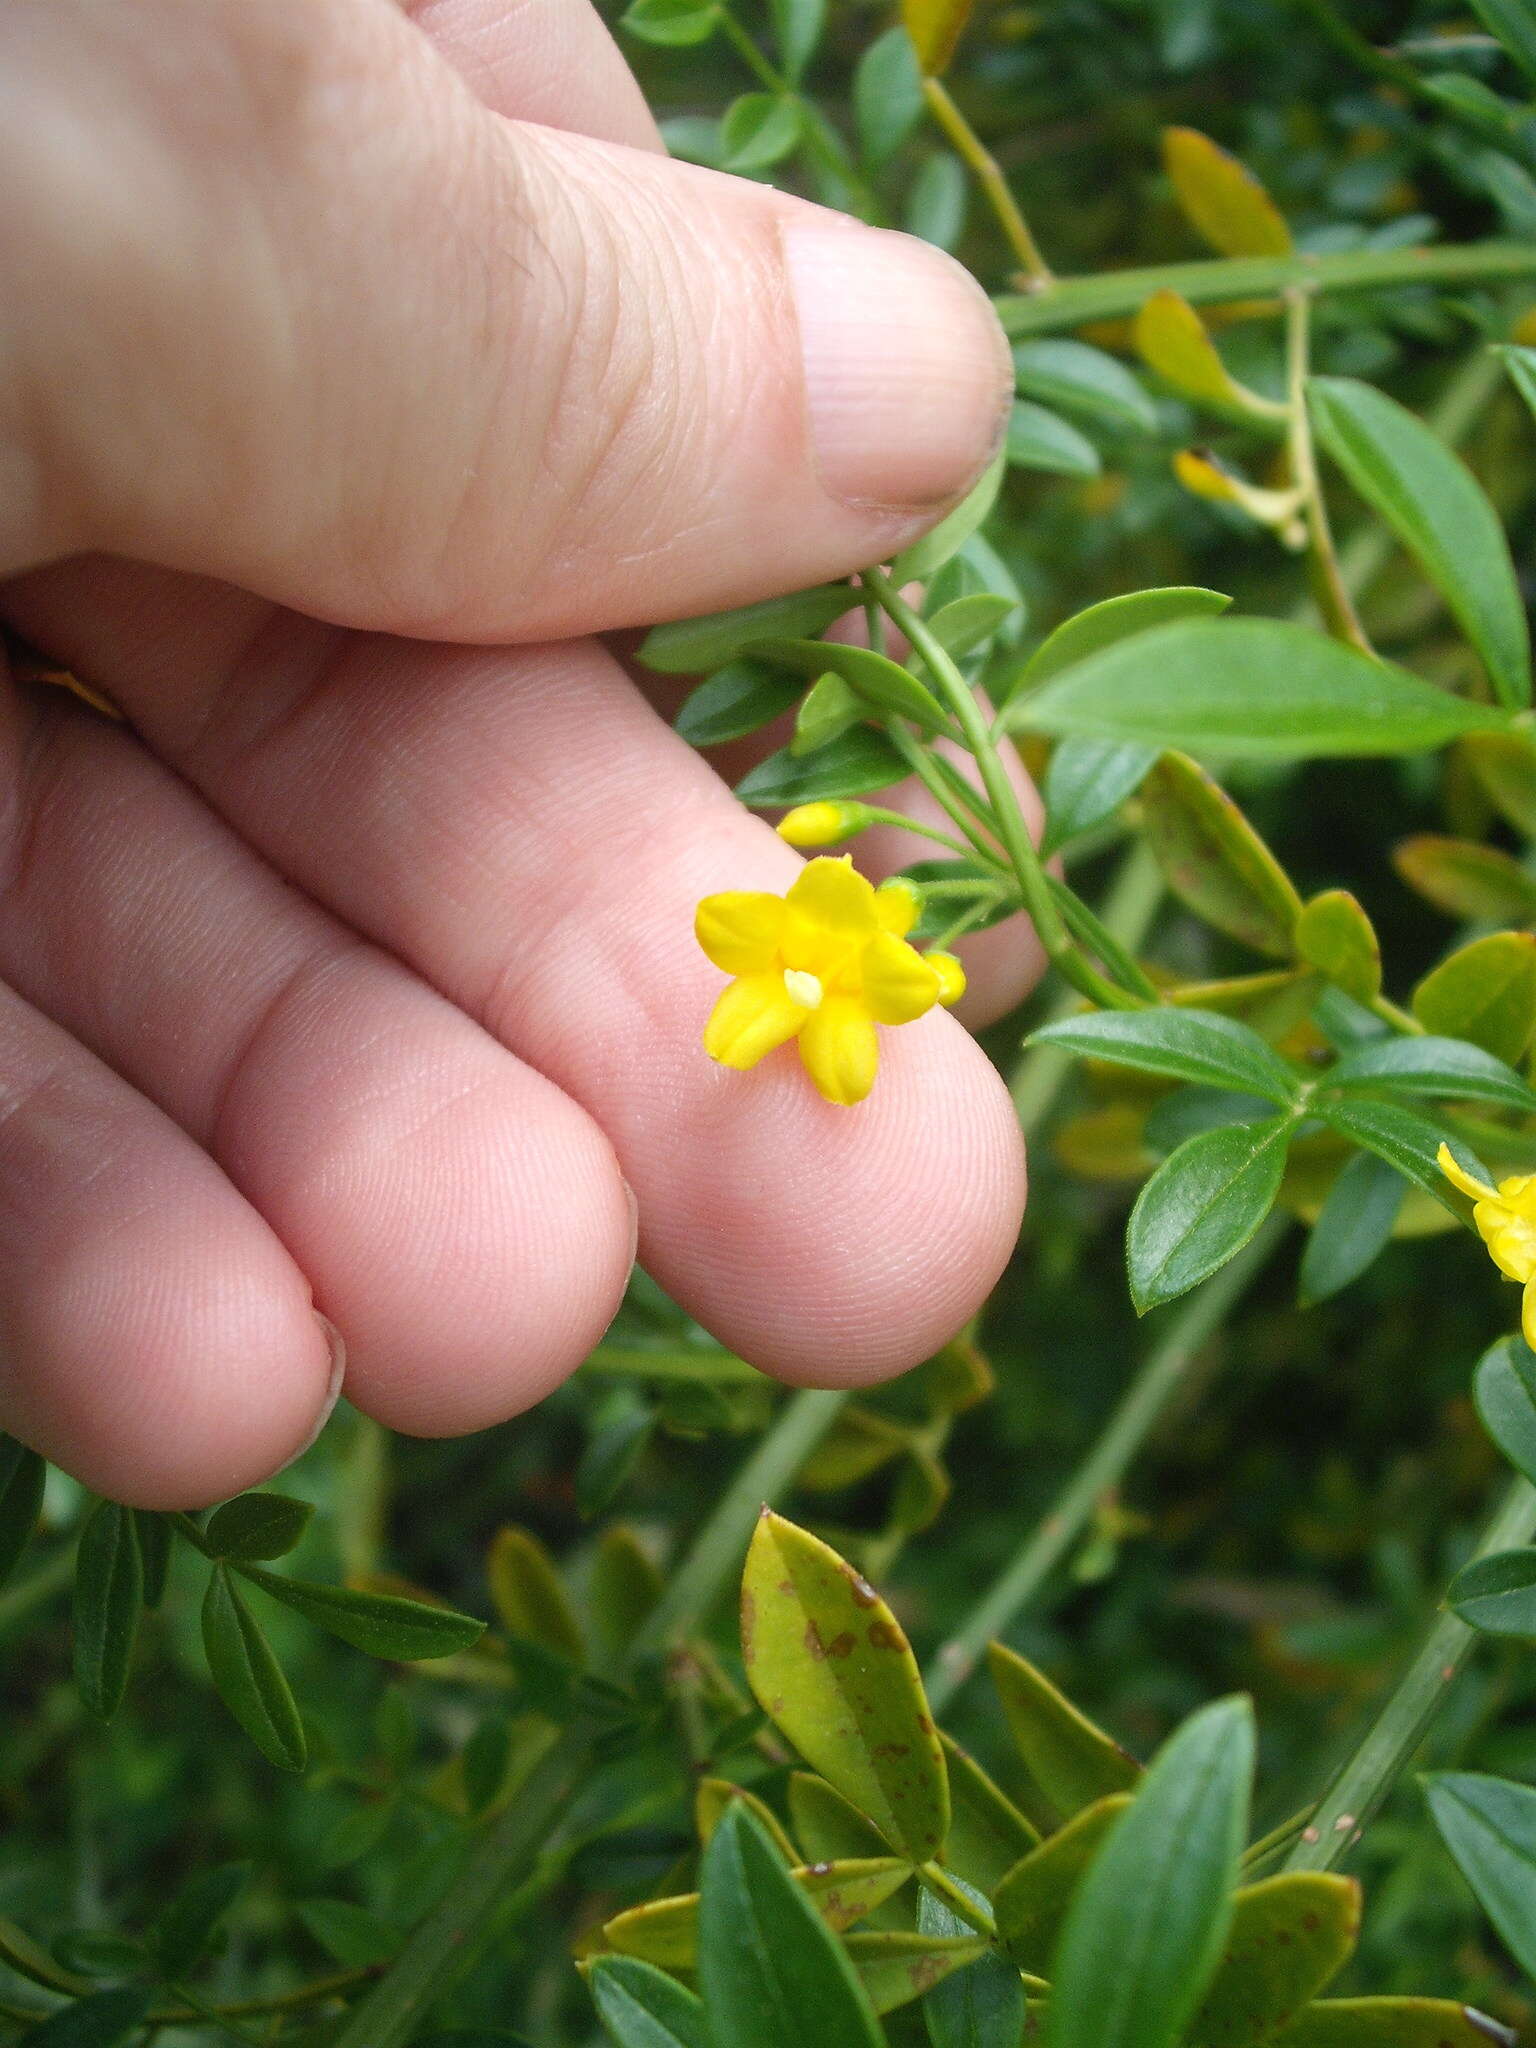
(907, 373)
(338, 1345)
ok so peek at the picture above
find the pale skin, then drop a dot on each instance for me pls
(359, 363)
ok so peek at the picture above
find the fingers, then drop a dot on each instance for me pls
(461, 1222)
(404, 363)
(550, 61)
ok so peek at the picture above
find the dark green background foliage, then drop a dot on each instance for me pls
(1288, 1530)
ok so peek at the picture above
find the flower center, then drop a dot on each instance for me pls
(803, 988)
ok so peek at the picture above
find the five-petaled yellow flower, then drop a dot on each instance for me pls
(1506, 1222)
(826, 963)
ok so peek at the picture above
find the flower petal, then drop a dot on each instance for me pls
(832, 896)
(898, 906)
(898, 982)
(740, 930)
(1460, 1178)
(753, 1015)
(839, 1050)
(1510, 1238)
(1528, 1312)
(951, 976)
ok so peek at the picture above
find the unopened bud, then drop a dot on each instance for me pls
(951, 977)
(823, 824)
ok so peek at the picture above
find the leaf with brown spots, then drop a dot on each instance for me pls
(1389, 2023)
(832, 1669)
(896, 1968)
(1290, 1936)
(666, 1931)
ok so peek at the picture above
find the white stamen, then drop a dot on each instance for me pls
(803, 988)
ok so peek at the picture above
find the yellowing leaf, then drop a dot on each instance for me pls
(987, 1832)
(827, 1827)
(1204, 476)
(528, 1596)
(1214, 860)
(1173, 340)
(1221, 198)
(666, 1931)
(896, 1968)
(935, 27)
(1505, 765)
(1031, 1901)
(831, 1667)
(1334, 935)
(716, 1794)
(1387, 2023)
(1467, 879)
(1071, 1761)
(1106, 1144)
(1485, 992)
(1290, 1937)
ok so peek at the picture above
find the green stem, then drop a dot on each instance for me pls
(905, 824)
(1333, 598)
(988, 174)
(925, 768)
(682, 1364)
(1397, 1731)
(1073, 301)
(818, 142)
(1168, 1368)
(717, 1550)
(392, 2012)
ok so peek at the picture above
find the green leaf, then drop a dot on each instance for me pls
(249, 1679)
(936, 201)
(1181, 1045)
(1334, 935)
(1038, 439)
(1466, 879)
(1497, 1594)
(1072, 1762)
(1086, 381)
(622, 1589)
(740, 698)
(93, 1952)
(1484, 992)
(256, 1526)
(759, 129)
(828, 709)
(1033, 1898)
(611, 1454)
(673, 24)
(1435, 1067)
(714, 1795)
(827, 1826)
(699, 646)
(379, 1624)
(987, 1832)
(1086, 781)
(1514, 23)
(641, 2008)
(1521, 365)
(1352, 1226)
(980, 2006)
(1202, 1205)
(925, 557)
(356, 1938)
(969, 622)
(155, 1551)
(1401, 1136)
(22, 1476)
(1489, 1826)
(858, 763)
(1505, 764)
(772, 1973)
(1215, 861)
(528, 1595)
(1388, 2023)
(100, 2021)
(887, 94)
(1252, 688)
(1438, 510)
(109, 1597)
(666, 1931)
(899, 1966)
(1290, 1936)
(185, 1931)
(1115, 618)
(880, 682)
(1143, 1937)
(797, 28)
(830, 1666)
(1504, 1390)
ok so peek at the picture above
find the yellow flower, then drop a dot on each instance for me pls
(1506, 1222)
(823, 824)
(824, 963)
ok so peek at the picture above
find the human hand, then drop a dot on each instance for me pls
(356, 969)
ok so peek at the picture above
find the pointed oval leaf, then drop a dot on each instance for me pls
(772, 1973)
(256, 1526)
(1183, 1045)
(1387, 2023)
(100, 2021)
(969, 622)
(1040, 439)
(22, 1477)
(1401, 1136)
(155, 1551)
(987, 1832)
(379, 1624)
(1086, 781)
(1032, 1900)
(1352, 1226)
(758, 130)
(1290, 1936)
(622, 1589)
(1484, 992)
(1497, 1595)
(672, 24)
(1466, 879)
(1505, 764)
(1504, 1390)
(740, 698)
(1255, 688)
(1085, 381)
(1433, 1066)
(666, 1931)
(716, 1794)
(1514, 24)
(354, 1937)
(887, 94)
(1115, 618)
(1430, 499)
(1143, 1937)
(1334, 935)
(943, 542)
(854, 764)
(935, 27)
(1173, 340)
(876, 680)
(1489, 1826)
(831, 1667)
(249, 1679)
(897, 1967)
(109, 1598)
(827, 1826)
(980, 2006)
(829, 708)
(1072, 1762)
(1201, 1206)
(529, 1596)
(1215, 861)
(1221, 198)
(699, 646)
(642, 2008)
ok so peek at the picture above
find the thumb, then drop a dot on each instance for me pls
(309, 318)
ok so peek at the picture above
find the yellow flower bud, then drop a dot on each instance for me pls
(823, 824)
(951, 977)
